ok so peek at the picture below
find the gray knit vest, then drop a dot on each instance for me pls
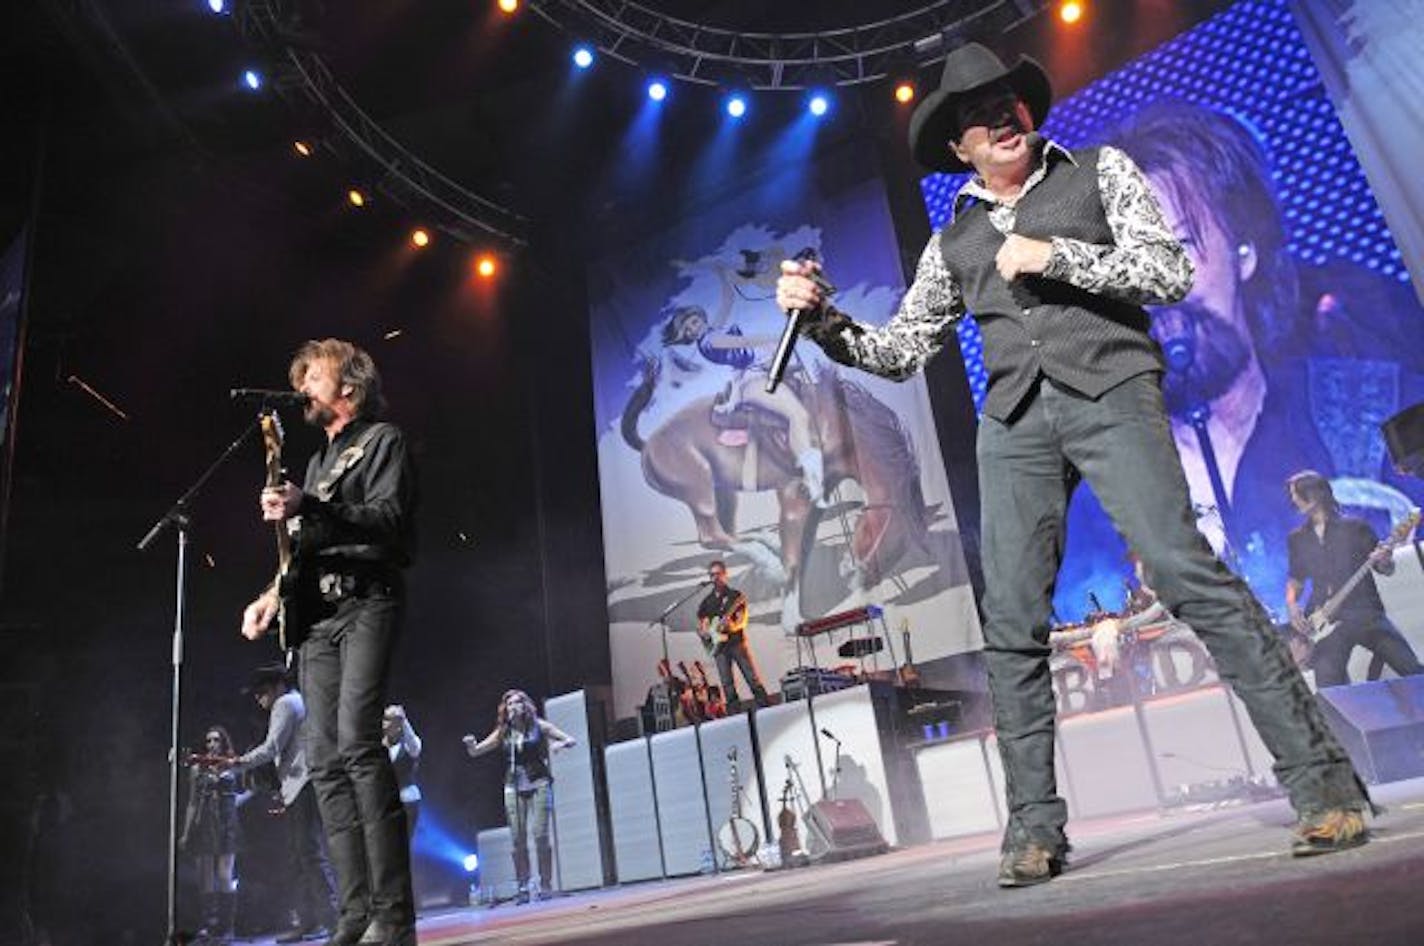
(1036, 326)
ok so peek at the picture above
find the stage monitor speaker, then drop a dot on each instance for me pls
(843, 829)
(1381, 725)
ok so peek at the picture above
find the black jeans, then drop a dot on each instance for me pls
(1374, 632)
(306, 848)
(343, 677)
(1122, 445)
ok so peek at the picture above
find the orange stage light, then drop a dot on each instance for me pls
(1071, 11)
(905, 92)
(357, 198)
(420, 237)
(485, 266)
(508, 6)
(302, 148)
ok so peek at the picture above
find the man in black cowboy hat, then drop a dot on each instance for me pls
(314, 892)
(1056, 252)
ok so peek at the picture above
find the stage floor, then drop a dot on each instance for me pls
(1201, 877)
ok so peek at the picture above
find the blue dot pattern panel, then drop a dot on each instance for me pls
(1251, 62)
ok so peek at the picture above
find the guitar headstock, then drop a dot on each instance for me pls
(272, 436)
(1403, 529)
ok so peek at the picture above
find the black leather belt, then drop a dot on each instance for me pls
(334, 585)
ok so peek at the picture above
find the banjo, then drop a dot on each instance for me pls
(738, 837)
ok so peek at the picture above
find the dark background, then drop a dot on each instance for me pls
(181, 250)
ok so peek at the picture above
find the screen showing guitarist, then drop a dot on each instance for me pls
(722, 624)
(354, 521)
(1327, 551)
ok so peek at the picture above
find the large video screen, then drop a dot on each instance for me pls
(1301, 334)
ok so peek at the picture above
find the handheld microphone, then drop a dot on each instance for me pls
(269, 398)
(795, 318)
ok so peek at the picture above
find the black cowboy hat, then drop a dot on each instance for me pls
(266, 675)
(968, 69)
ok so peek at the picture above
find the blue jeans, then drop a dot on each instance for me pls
(1121, 443)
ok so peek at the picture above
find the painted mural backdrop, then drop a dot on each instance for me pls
(829, 495)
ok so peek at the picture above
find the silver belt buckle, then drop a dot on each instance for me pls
(331, 586)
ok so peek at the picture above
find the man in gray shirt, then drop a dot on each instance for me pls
(285, 747)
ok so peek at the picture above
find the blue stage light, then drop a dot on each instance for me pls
(472, 863)
(819, 104)
(657, 90)
(736, 106)
(252, 79)
(218, 6)
(583, 57)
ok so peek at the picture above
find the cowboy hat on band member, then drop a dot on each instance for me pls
(967, 70)
(269, 674)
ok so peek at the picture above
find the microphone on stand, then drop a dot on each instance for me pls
(795, 318)
(1175, 332)
(269, 398)
(829, 735)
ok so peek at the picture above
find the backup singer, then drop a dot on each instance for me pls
(284, 747)
(1056, 252)
(403, 745)
(526, 741)
(210, 834)
(355, 533)
(723, 614)
(1325, 551)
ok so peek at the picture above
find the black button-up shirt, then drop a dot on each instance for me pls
(370, 516)
(718, 602)
(1329, 561)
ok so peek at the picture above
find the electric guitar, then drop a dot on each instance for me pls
(1321, 622)
(728, 625)
(288, 618)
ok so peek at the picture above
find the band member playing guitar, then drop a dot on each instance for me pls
(1334, 553)
(353, 523)
(722, 624)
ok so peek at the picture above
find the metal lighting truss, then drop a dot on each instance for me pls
(643, 37)
(302, 78)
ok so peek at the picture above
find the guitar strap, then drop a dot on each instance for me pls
(326, 486)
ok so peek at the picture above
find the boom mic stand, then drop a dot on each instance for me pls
(661, 619)
(179, 517)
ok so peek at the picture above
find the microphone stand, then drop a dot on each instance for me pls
(1198, 416)
(661, 619)
(836, 767)
(179, 517)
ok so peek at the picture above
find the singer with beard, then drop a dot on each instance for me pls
(1056, 252)
(1235, 347)
(353, 527)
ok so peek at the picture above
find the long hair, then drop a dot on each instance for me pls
(501, 719)
(354, 368)
(1217, 169)
(227, 747)
(1313, 487)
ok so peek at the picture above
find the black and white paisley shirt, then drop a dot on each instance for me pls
(1144, 265)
